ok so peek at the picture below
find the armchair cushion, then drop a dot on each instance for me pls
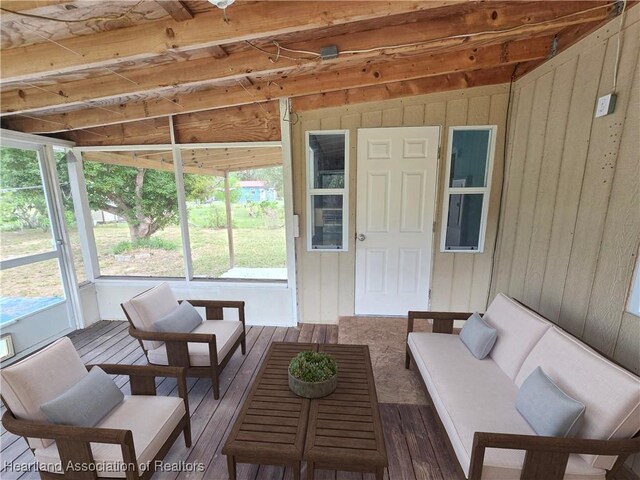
(547, 408)
(478, 337)
(148, 307)
(39, 378)
(151, 420)
(86, 402)
(183, 319)
(226, 332)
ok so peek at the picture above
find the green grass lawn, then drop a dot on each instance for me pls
(258, 241)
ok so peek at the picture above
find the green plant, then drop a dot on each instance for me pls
(215, 217)
(313, 367)
(152, 243)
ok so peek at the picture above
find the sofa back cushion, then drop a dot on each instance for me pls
(39, 378)
(149, 306)
(519, 329)
(610, 394)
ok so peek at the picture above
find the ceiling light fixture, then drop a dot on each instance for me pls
(221, 3)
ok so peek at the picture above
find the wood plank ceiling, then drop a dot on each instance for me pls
(112, 72)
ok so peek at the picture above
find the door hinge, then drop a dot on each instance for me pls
(433, 227)
(429, 294)
(439, 151)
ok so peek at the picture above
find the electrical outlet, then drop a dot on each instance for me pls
(606, 105)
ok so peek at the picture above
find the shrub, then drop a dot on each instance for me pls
(151, 243)
(313, 366)
(215, 217)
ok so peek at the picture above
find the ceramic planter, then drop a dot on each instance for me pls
(312, 389)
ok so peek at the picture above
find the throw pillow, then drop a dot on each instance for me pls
(86, 402)
(478, 336)
(183, 319)
(549, 410)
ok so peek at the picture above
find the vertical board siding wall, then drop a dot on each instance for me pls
(571, 212)
(326, 280)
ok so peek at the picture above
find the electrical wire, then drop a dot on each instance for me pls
(504, 178)
(83, 20)
(475, 34)
(617, 64)
(292, 50)
(277, 55)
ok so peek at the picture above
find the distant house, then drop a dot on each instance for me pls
(255, 191)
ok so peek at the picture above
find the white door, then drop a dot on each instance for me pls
(396, 193)
(34, 277)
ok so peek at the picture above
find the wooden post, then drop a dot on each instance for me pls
(227, 202)
(183, 214)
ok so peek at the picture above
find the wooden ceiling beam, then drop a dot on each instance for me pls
(23, 5)
(126, 160)
(419, 86)
(218, 52)
(387, 91)
(437, 33)
(246, 123)
(396, 69)
(197, 155)
(177, 9)
(247, 21)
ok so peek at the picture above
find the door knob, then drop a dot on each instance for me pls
(361, 237)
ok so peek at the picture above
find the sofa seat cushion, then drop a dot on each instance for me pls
(610, 393)
(472, 395)
(151, 420)
(226, 332)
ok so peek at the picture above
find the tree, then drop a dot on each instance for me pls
(21, 191)
(145, 198)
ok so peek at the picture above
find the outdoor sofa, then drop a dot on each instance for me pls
(476, 399)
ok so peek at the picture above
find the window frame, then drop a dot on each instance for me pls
(633, 294)
(313, 191)
(484, 191)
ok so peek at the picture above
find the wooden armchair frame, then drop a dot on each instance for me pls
(176, 343)
(74, 443)
(545, 457)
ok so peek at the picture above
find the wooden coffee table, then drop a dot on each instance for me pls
(345, 430)
(341, 431)
(272, 424)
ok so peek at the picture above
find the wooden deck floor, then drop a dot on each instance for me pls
(415, 445)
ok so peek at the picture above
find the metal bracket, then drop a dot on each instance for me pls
(618, 8)
(554, 47)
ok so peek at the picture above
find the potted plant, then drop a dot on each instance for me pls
(313, 374)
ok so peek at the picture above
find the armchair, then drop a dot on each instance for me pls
(204, 352)
(126, 443)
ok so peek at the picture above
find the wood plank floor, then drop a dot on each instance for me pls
(407, 428)
(415, 446)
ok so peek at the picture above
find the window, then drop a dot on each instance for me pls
(327, 187)
(135, 213)
(234, 204)
(62, 169)
(633, 306)
(29, 248)
(466, 196)
(236, 224)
